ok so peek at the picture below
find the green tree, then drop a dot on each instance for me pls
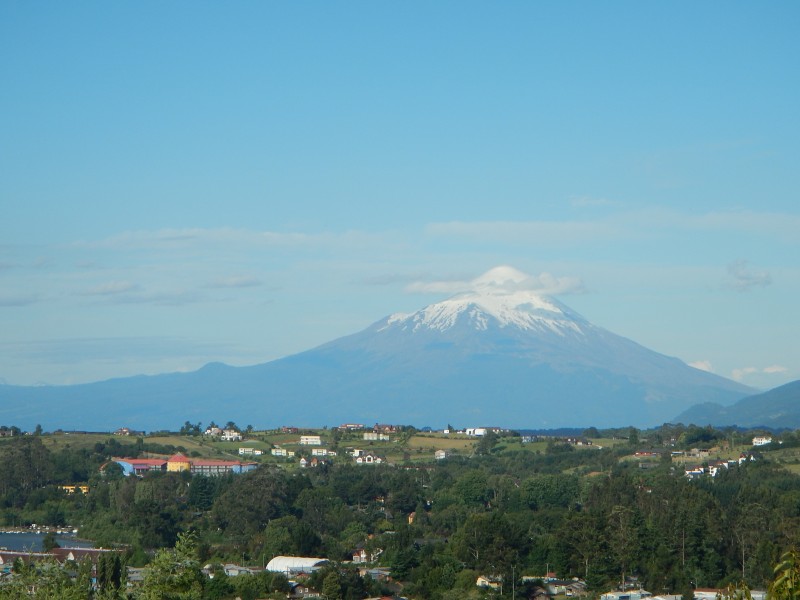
(581, 534)
(174, 573)
(25, 465)
(487, 443)
(786, 582)
(49, 542)
(111, 574)
(332, 586)
(47, 580)
(633, 437)
(191, 428)
(254, 499)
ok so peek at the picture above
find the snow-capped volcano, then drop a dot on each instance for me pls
(501, 298)
(499, 351)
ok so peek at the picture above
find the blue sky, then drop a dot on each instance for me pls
(191, 182)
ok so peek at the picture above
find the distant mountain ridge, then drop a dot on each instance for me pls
(497, 354)
(778, 408)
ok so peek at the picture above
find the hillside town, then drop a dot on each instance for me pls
(206, 462)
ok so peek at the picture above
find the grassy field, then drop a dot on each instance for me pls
(432, 443)
(792, 468)
(59, 441)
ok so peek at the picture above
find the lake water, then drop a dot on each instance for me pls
(32, 542)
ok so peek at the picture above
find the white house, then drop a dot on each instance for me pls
(251, 451)
(714, 468)
(487, 582)
(694, 472)
(310, 440)
(476, 431)
(319, 452)
(762, 440)
(231, 435)
(374, 436)
(369, 459)
(279, 452)
(440, 454)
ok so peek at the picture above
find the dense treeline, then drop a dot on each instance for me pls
(505, 512)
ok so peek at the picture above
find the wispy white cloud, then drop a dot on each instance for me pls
(745, 372)
(123, 292)
(527, 232)
(382, 279)
(775, 225)
(236, 281)
(111, 288)
(543, 283)
(161, 298)
(19, 300)
(201, 237)
(740, 374)
(743, 278)
(437, 287)
(622, 226)
(703, 365)
(592, 202)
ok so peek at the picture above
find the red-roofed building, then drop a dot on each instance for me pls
(178, 462)
(63, 555)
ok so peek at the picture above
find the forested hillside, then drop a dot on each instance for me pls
(504, 510)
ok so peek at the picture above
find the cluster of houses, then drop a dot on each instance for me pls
(698, 594)
(367, 458)
(360, 458)
(377, 428)
(6, 431)
(320, 454)
(180, 463)
(572, 441)
(245, 451)
(75, 488)
(550, 585)
(283, 452)
(474, 431)
(296, 569)
(225, 435)
(715, 467)
(126, 431)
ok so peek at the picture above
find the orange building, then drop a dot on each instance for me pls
(178, 462)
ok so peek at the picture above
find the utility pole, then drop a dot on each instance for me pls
(513, 584)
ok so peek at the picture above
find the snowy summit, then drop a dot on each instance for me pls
(504, 297)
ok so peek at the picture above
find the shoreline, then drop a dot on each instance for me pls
(44, 529)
